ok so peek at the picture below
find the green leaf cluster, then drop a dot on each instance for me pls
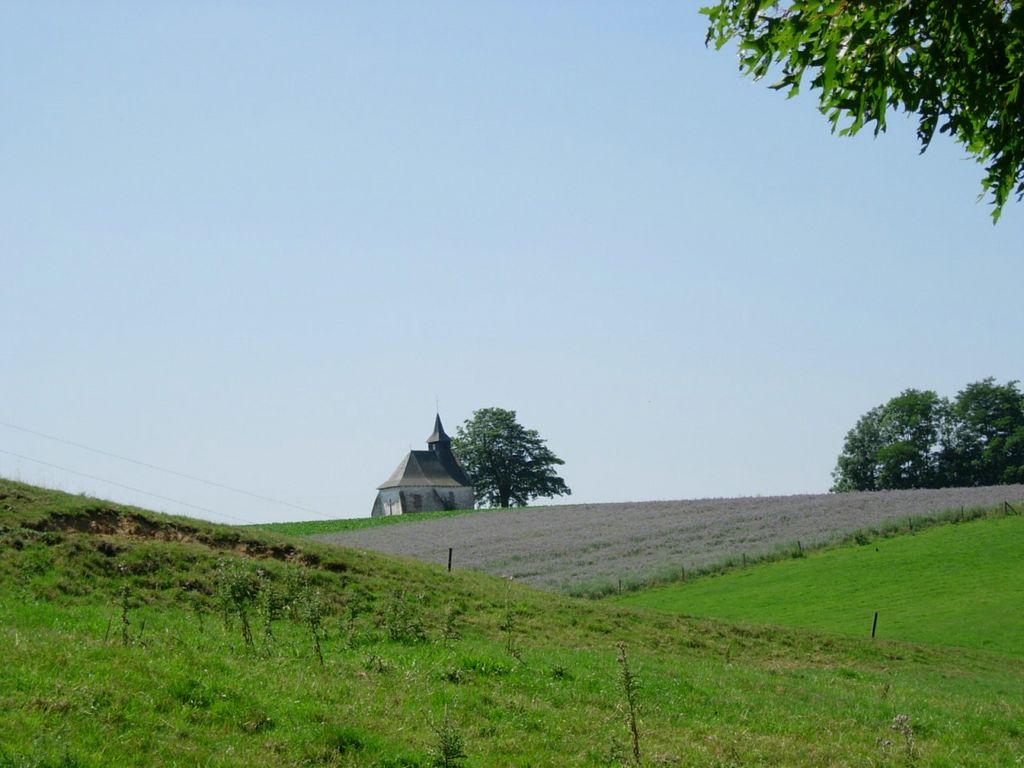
(920, 440)
(957, 66)
(509, 464)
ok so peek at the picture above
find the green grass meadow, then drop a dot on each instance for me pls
(123, 644)
(954, 584)
(317, 527)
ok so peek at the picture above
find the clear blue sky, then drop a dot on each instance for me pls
(252, 242)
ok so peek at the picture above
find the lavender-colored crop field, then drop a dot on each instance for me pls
(570, 547)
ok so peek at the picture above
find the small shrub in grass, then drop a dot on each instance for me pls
(450, 629)
(559, 672)
(125, 594)
(270, 602)
(312, 611)
(451, 675)
(376, 663)
(124, 597)
(353, 606)
(237, 590)
(403, 620)
(195, 604)
(448, 750)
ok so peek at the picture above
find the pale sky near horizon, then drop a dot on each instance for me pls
(253, 242)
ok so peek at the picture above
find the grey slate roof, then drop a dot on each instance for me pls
(424, 468)
(438, 435)
(435, 467)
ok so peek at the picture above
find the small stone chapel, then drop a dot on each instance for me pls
(426, 481)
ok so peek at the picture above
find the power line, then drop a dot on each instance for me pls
(212, 483)
(128, 487)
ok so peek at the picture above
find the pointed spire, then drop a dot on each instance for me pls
(438, 435)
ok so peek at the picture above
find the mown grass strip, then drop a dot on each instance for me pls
(955, 584)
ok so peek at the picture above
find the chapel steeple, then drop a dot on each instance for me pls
(441, 446)
(438, 436)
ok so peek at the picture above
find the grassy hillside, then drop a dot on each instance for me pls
(124, 645)
(955, 584)
(320, 527)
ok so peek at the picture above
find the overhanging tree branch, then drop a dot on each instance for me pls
(958, 66)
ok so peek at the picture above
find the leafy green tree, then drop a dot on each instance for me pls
(508, 463)
(957, 65)
(901, 444)
(857, 466)
(921, 440)
(912, 424)
(990, 420)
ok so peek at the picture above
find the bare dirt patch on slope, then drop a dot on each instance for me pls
(122, 524)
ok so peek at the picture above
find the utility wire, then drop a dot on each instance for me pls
(128, 487)
(321, 515)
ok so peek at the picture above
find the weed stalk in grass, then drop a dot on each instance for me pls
(125, 593)
(901, 724)
(271, 603)
(508, 624)
(196, 604)
(629, 689)
(313, 610)
(296, 582)
(450, 630)
(347, 620)
(448, 750)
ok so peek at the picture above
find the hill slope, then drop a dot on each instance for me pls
(124, 645)
(590, 548)
(957, 584)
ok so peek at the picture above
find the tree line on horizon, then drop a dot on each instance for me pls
(921, 440)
